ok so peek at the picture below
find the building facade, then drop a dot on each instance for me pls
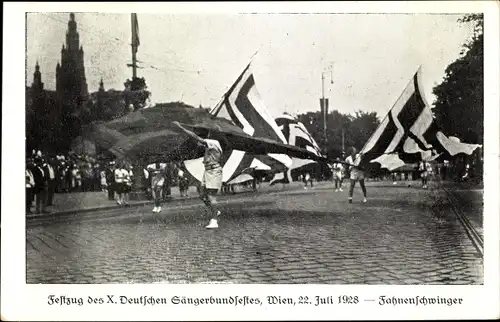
(49, 114)
(71, 83)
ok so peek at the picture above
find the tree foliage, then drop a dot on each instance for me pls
(356, 130)
(136, 92)
(459, 106)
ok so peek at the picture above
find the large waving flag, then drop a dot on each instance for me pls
(243, 105)
(409, 134)
(296, 134)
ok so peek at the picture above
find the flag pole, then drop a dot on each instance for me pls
(393, 105)
(133, 19)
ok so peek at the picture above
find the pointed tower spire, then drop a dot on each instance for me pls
(101, 86)
(37, 78)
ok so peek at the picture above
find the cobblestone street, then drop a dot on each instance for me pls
(403, 235)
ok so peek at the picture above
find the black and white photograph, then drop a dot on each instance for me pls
(255, 148)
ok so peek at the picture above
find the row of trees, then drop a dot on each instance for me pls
(459, 107)
(111, 104)
(353, 130)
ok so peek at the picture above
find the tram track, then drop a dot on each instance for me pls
(475, 237)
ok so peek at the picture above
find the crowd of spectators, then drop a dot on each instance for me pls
(49, 174)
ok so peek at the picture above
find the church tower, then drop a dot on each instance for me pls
(71, 84)
(37, 84)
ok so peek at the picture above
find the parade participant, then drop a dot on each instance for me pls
(356, 173)
(212, 177)
(425, 171)
(338, 176)
(254, 180)
(308, 178)
(465, 176)
(156, 173)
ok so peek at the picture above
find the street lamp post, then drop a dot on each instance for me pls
(343, 150)
(324, 106)
(324, 110)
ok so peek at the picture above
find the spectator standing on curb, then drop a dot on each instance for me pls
(40, 185)
(183, 182)
(120, 177)
(51, 175)
(129, 175)
(110, 179)
(30, 185)
(104, 183)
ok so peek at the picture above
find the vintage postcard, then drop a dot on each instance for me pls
(249, 161)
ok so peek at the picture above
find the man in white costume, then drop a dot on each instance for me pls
(425, 172)
(357, 174)
(156, 174)
(212, 177)
(338, 174)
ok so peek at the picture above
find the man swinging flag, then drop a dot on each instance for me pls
(409, 134)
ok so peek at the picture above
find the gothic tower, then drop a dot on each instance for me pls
(37, 85)
(37, 92)
(71, 84)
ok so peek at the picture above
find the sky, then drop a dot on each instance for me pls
(366, 59)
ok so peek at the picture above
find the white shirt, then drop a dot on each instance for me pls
(337, 167)
(31, 181)
(213, 153)
(51, 172)
(356, 161)
(120, 175)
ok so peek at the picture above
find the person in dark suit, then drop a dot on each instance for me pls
(50, 173)
(30, 184)
(40, 185)
(110, 179)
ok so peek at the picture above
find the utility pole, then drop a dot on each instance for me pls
(343, 150)
(324, 107)
(324, 111)
(135, 43)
